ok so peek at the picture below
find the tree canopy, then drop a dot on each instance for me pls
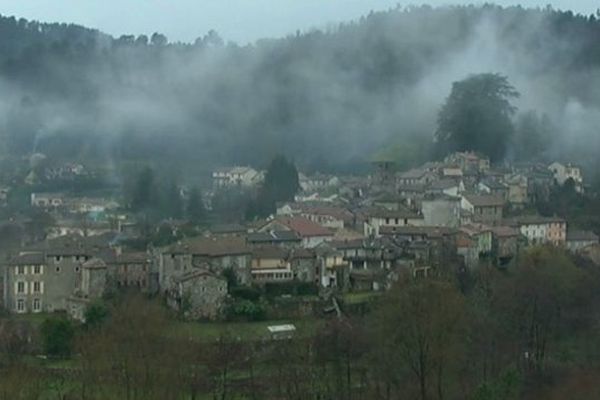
(281, 184)
(477, 116)
(327, 97)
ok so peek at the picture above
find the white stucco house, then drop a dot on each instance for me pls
(564, 172)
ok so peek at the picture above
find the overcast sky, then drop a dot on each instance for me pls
(238, 20)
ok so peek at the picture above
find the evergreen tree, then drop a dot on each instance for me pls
(281, 184)
(144, 190)
(477, 116)
(172, 203)
(195, 207)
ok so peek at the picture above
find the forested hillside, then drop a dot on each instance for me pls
(326, 99)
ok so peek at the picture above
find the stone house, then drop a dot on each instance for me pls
(276, 238)
(578, 240)
(441, 210)
(505, 245)
(271, 264)
(428, 245)
(36, 281)
(198, 294)
(482, 238)
(564, 172)
(367, 280)
(304, 265)
(47, 200)
(89, 205)
(389, 201)
(452, 171)
(467, 249)
(317, 182)
(475, 244)
(311, 233)
(378, 218)
(412, 194)
(90, 287)
(449, 187)
(23, 283)
(494, 187)
(235, 177)
(368, 254)
(416, 176)
(540, 183)
(469, 160)
(384, 172)
(328, 216)
(486, 209)
(228, 230)
(78, 227)
(518, 190)
(333, 268)
(130, 270)
(214, 253)
(541, 230)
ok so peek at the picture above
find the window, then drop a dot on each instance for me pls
(20, 270)
(20, 305)
(37, 269)
(57, 258)
(21, 287)
(387, 221)
(37, 305)
(77, 268)
(37, 287)
(58, 270)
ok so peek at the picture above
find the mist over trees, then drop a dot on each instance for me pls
(329, 99)
(477, 116)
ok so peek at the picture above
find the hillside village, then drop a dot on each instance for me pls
(341, 234)
(308, 202)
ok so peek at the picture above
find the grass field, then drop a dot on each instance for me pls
(360, 297)
(208, 331)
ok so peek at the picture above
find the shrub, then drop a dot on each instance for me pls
(57, 336)
(246, 310)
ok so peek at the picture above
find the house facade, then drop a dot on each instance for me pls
(198, 294)
(485, 209)
(542, 230)
(235, 177)
(518, 190)
(271, 264)
(378, 218)
(42, 281)
(563, 172)
(90, 287)
(310, 233)
(578, 240)
(215, 254)
(441, 210)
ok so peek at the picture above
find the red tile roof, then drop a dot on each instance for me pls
(304, 227)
